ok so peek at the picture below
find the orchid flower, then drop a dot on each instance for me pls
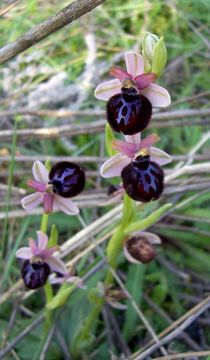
(44, 193)
(157, 95)
(139, 247)
(129, 150)
(37, 251)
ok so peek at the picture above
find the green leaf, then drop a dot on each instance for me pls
(149, 220)
(160, 291)
(53, 241)
(134, 284)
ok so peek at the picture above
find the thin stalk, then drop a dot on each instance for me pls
(47, 288)
(113, 249)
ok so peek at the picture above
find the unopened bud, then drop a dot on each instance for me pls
(154, 52)
(148, 42)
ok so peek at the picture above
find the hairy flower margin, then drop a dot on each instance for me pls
(157, 95)
(51, 202)
(129, 150)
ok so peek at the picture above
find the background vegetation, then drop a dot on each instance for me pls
(52, 85)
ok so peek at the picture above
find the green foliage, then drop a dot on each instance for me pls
(117, 27)
(135, 286)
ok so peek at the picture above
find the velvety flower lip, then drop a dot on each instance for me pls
(44, 193)
(134, 252)
(128, 150)
(157, 95)
(38, 250)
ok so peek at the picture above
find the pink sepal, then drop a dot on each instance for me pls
(48, 203)
(120, 74)
(144, 80)
(33, 247)
(49, 252)
(148, 141)
(124, 147)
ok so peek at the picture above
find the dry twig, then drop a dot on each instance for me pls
(48, 27)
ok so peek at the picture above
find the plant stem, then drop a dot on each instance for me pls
(47, 288)
(44, 223)
(113, 249)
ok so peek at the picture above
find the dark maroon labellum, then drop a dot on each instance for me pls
(112, 189)
(68, 179)
(143, 179)
(35, 274)
(129, 112)
(140, 249)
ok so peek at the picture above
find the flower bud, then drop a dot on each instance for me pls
(159, 57)
(148, 42)
(139, 248)
(154, 52)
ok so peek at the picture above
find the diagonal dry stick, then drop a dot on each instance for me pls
(174, 329)
(48, 27)
(190, 355)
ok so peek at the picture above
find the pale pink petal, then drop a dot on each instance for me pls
(129, 257)
(148, 141)
(31, 201)
(124, 147)
(36, 185)
(56, 280)
(117, 305)
(144, 80)
(56, 264)
(133, 139)
(48, 203)
(114, 166)
(76, 281)
(120, 74)
(157, 95)
(40, 172)
(108, 89)
(160, 156)
(152, 238)
(33, 247)
(65, 205)
(24, 253)
(42, 240)
(134, 64)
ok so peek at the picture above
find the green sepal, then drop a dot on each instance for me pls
(159, 57)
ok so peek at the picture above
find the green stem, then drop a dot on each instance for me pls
(113, 249)
(44, 223)
(47, 288)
